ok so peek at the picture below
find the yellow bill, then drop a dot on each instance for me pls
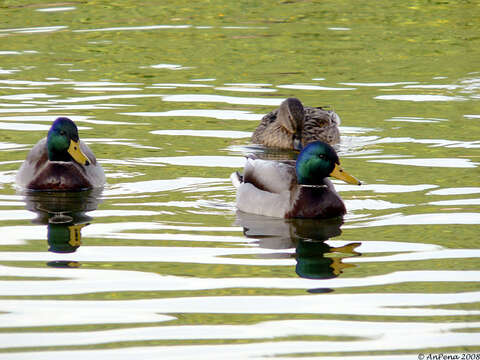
(341, 174)
(75, 234)
(337, 266)
(77, 154)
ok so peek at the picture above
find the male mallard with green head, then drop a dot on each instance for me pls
(293, 190)
(61, 161)
(293, 126)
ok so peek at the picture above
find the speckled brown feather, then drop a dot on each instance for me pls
(271, 133)
(320, 124)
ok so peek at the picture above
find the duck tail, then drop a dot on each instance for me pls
(335, 119)
(237, 179)
(250, 164)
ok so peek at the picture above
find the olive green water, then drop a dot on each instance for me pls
(167, 94)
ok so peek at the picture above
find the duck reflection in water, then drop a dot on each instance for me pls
(315, 258)
(64, 213)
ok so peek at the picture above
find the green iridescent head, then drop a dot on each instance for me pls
(317, 161)
(63, 142)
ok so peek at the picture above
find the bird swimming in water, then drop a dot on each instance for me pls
(61, 162)
(293, 126)
(290, 189)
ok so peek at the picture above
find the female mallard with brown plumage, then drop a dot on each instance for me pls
(61, 161)
(290, 190)
(293, 126)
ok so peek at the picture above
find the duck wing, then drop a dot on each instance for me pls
(271, 176)
(94, 172)
(265, 187)
(88, 153)
(35, 161)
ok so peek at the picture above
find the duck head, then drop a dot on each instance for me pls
(317, 161)
(291, 115)
(63, 143)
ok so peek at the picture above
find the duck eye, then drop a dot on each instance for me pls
(321, 156)
(62, 132)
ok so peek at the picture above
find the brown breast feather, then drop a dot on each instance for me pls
(315, 202)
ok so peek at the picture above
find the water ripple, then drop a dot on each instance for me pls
(136, 28)
(216, 114)
(223, 99)
(391, 332)
(420, 98)
(436, 162)
(67, 312)
(32, 30)
(78, 281)
(57, 9)
(205, 133)
(423, 219)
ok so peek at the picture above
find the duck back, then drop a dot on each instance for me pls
(320, 124)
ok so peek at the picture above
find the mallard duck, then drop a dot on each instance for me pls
(293, 126)
(293, 190)
(61, 162)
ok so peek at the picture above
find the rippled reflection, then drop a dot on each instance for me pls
(371, 333)
(64, 214)
(307, 236)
